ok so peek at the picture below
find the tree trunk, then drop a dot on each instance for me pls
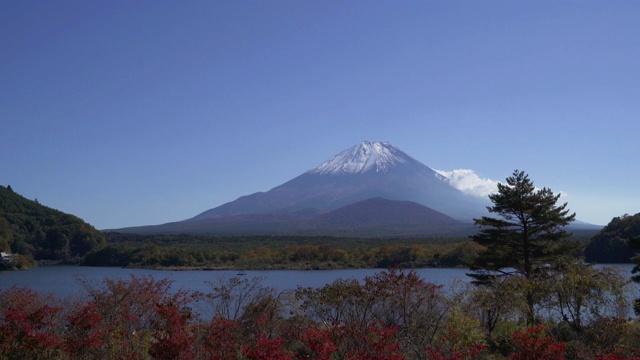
(530, 303)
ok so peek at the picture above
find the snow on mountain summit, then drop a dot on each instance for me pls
(366, 156)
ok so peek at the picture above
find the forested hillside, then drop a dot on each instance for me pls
(37, 232)
(610, 245)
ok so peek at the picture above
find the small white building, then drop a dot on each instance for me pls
(6, 257)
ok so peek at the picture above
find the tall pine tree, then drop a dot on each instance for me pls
(527, 236)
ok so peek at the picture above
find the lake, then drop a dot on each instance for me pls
(62, 281)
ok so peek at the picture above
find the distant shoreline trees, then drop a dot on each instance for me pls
(278, 252)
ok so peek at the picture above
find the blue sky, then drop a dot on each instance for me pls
(132, 113)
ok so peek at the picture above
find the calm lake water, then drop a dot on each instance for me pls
(62, 281)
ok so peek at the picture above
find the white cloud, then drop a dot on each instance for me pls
(469, 182)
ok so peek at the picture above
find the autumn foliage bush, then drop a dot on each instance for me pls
(533, 344)
(30, 325)
(393, 315)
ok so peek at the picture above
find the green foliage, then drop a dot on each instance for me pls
(580, 293)
(632, 233)
(497, 303)
(618, 242)
(41, 233)
(611, 244)
(526, 237)
(528, 233)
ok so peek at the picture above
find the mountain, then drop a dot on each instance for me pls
(365, 171)
(306, 204)
(39, 232)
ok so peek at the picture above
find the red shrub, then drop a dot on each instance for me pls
(534, 344)
(267, 349)
(220, 340)
(172, 334)
(84, 332)
(377, 343)
(319, 343)
(29, 326)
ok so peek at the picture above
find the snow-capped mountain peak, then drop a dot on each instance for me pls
(366, 156)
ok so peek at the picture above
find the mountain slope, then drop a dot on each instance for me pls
(383, 211)
(31, 229)
(383, 217)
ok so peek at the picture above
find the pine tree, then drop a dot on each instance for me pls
(527, 236)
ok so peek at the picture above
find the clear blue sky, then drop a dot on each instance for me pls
(143, 112)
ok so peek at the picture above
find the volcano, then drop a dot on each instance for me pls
(369, 170)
